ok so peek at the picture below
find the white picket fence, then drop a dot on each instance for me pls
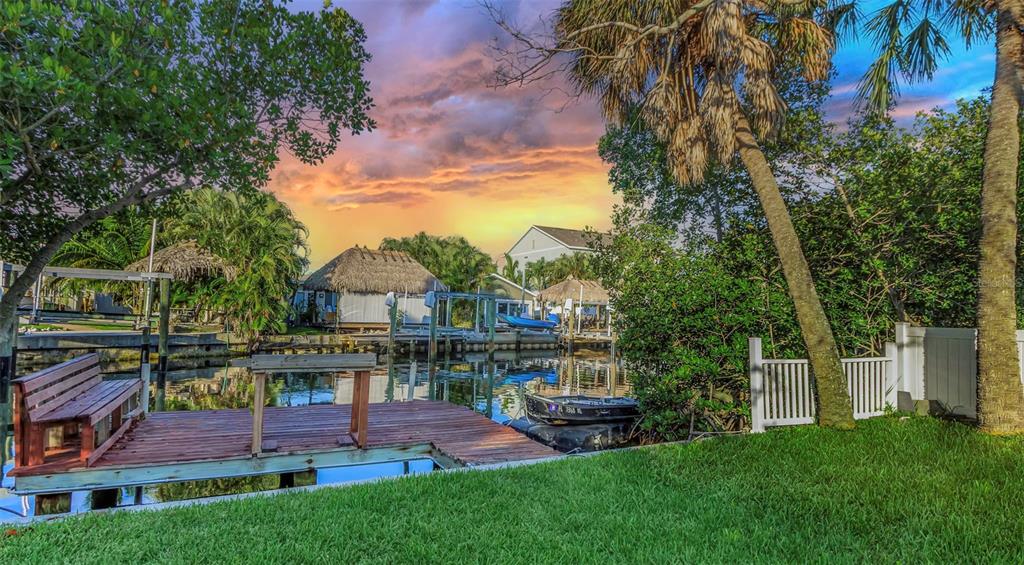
(781, 394)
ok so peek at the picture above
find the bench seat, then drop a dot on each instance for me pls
(70, 406)
(95, 403)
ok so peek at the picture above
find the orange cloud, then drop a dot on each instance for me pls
(451, 155)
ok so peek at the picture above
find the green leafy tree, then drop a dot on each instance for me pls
(911, 41)
(114, 103)
(891, 232)
(452, 259)
(703, 76)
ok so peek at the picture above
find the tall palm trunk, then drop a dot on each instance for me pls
(834, 407)
(1000, 395)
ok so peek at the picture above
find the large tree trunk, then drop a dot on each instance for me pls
(834, 407)
(1000, 395)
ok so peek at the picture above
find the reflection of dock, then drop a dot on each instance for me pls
(183, 446)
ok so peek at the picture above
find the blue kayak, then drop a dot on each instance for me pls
(526, 323)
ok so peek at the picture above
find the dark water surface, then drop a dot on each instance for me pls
(492, 388)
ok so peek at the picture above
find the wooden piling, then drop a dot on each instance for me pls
(162, 351)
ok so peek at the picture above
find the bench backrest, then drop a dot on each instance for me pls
(48, 389)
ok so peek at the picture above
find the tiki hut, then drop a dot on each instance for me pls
(592, 292)
(186, 261)
(589, 298)
(351, 288)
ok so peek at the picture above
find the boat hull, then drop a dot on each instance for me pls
(580, 409)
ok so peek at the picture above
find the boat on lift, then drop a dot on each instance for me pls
(527, 323)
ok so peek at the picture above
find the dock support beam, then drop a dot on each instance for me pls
(360, 408)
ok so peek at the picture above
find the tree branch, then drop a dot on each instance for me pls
(135, 195)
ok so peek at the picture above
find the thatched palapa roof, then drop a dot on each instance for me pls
(593, 292)
(185, 261)
(359, 269)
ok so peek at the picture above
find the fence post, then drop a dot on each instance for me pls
(756, 386)
(892, 378)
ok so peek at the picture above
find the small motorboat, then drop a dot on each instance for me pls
(527, 323)
(581, 409)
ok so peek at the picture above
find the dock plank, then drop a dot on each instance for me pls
(457, 432)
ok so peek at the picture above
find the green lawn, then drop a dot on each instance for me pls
(911, 491)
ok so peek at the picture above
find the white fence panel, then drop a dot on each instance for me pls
(940, 365)
(781, 393)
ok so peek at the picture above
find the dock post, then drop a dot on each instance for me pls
(613, 367)
(392, 322)
(432, 340)
(147, 333)
(162, 352)
(409, 394)
(476, 313)
(259, 399)
(492, 320)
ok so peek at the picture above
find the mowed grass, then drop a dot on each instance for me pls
(894, 490)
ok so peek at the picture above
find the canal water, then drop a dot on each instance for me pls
(493, 388)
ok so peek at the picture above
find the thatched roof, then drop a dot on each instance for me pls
(185, 261)
(593, 292)
(359, 269)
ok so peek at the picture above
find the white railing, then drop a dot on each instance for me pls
(781, 392)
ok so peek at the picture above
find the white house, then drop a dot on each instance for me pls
(548, 243)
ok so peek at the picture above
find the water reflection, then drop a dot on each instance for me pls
(492, 386)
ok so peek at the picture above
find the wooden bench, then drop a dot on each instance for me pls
(69, 411)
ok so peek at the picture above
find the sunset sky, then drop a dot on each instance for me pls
(452, 156)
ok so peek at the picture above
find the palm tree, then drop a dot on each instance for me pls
(911, 38)
(681, 62)
(511, 269)
(258, 235)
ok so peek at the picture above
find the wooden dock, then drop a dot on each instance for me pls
(196, 445)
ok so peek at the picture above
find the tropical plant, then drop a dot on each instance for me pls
(113, 103)
(681, 64)
(542, 273)
(111, 243)
(257, 234)
(911, 40)
(510, 270)
(452, 259)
